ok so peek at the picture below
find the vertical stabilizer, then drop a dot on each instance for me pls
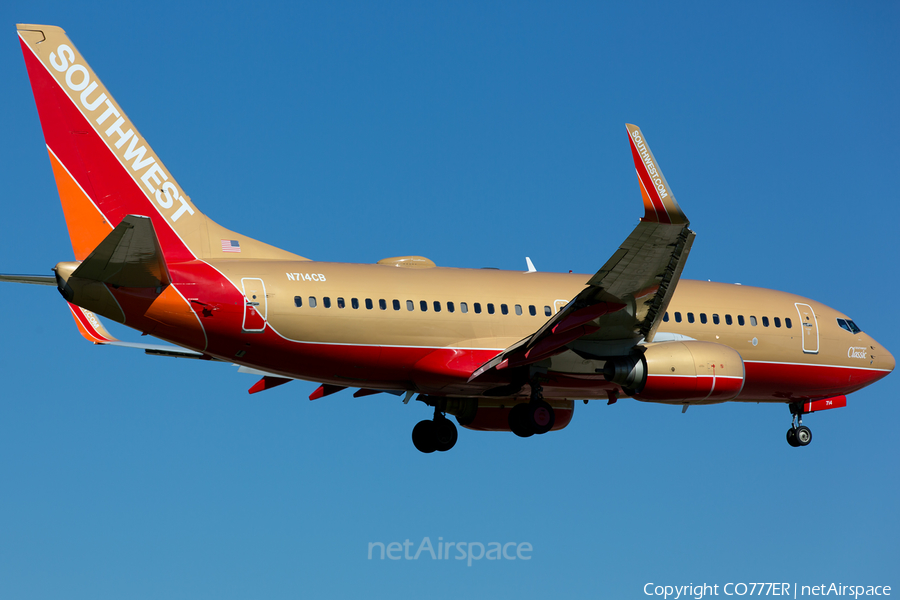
(104, 168)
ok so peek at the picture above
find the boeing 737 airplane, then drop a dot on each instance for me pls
(498, 350)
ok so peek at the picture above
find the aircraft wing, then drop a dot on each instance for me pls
(625, 300)
(90, 327)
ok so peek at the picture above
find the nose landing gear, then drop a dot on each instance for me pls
(799, 434)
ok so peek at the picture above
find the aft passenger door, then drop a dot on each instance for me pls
(810, 328)
(255, 305)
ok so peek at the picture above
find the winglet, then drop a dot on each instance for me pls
(90, 326)
(659, 201)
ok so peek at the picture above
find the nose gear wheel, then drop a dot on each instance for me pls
(799, 434)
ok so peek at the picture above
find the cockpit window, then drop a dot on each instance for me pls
(849, 325)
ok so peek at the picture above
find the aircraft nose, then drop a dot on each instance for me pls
(886, 359)
(881, 358)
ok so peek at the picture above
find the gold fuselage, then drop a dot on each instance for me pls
(348, 321)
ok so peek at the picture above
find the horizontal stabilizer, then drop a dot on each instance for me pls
(130, 256)
(32, 279)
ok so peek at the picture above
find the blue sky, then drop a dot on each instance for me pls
(474, 134)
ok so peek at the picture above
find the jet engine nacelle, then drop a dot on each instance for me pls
(690, 371)
(493, 415)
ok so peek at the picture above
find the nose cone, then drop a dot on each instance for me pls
(882, 360)
(885, 360)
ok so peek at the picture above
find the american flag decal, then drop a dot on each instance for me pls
(231, 246)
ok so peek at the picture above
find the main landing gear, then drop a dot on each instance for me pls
(799, 434)
(436, 434)
(532, 417)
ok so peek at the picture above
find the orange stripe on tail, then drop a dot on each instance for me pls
(87, 226)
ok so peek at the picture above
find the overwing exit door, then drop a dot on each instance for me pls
(255, 305)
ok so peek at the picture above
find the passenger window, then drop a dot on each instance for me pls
(410, 305)
(504, 309)
(326, 302)
(678, 317)
(787, 322)
(728, 319)
(450, 307)
(437, 306)
(765, 321)
(368, 304)
(690, 317)
(423, 305)
(396, 304)
(715, 319)
(463, 307)
(382, 304)
(519, 309)
(532, 310)
(490, 308)
(354, 303)
(547, 311)
(703, 318)
(666, 317)
(312, 301)
(340, 303)
(477, 307)
(741, 320)
(777, 322)
(298, 301)
(753, 320)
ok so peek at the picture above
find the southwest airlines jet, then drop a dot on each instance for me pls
(497, 350)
